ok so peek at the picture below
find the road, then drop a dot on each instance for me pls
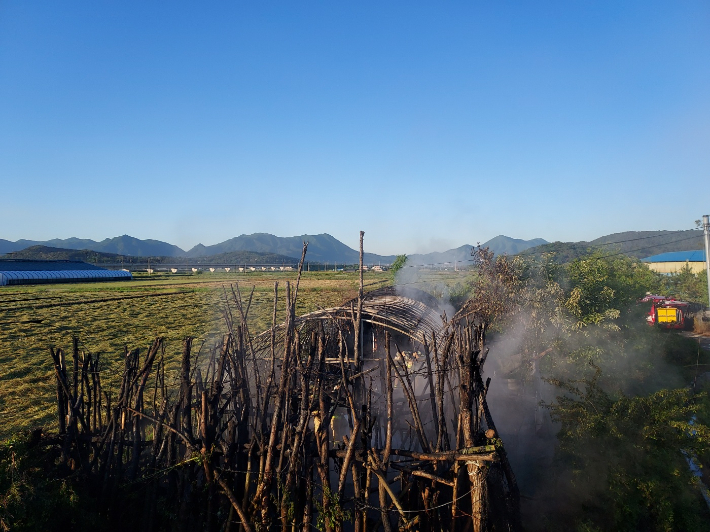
(702, 339)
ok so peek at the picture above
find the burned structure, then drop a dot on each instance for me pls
(369, 416)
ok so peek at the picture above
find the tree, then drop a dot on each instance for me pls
(398, 264)
(624, 459)
(601, 286)
(688, 286)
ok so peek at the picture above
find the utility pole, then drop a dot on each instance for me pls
(706, 234)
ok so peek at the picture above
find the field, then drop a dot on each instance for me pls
(108, 316)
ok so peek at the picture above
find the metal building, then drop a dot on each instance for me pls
(675, 261)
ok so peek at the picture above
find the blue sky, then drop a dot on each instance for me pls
(426, 124)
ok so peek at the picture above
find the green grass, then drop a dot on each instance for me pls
(36, 317)
(27, 383)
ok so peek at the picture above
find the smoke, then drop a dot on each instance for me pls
(515, 397)
(413, 279)
(542, 344)
(515, 393)
(629, 358)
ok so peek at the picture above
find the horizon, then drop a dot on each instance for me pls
(354, 246)
(438, 251)
(425, 126)
(186, 250)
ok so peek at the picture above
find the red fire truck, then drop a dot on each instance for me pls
(670, 313)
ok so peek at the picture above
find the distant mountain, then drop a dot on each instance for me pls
(511, 246)
(641, 244)
(7, 246)
(98, 257)
(128, 245)
(50, 253)
(460, 254)
(266, 248)
(242, 257)
(321, 248)
(638, 244)
(499, 245)
(121, 245)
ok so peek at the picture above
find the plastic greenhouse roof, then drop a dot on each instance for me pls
(36, 277)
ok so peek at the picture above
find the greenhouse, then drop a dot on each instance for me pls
(17, 272)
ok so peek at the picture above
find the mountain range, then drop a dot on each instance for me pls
(101, 257)
(639, 244)
(321, 248)
(499, 245)
(266, 248)
(120, 245)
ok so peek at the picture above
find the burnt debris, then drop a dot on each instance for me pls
(369, 416)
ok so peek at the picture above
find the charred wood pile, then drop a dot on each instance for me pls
(371, 416)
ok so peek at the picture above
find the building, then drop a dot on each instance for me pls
(19, 271)
(675, 261)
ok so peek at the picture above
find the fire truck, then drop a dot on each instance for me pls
(670, 313)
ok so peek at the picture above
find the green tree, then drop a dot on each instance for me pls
(687, 286)
(623, 428)
(624, 459)
(398, 264)
(601, 286)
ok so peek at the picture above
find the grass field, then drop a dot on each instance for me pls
(108, 316)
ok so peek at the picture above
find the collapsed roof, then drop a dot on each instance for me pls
(415, 314)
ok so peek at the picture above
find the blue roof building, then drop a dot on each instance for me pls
(675, 261)
(19, 271)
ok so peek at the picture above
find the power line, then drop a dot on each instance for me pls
(590, 244)
(574, 245)
(428, 281)
(647, 247)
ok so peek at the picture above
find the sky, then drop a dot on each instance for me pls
(428, 125)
